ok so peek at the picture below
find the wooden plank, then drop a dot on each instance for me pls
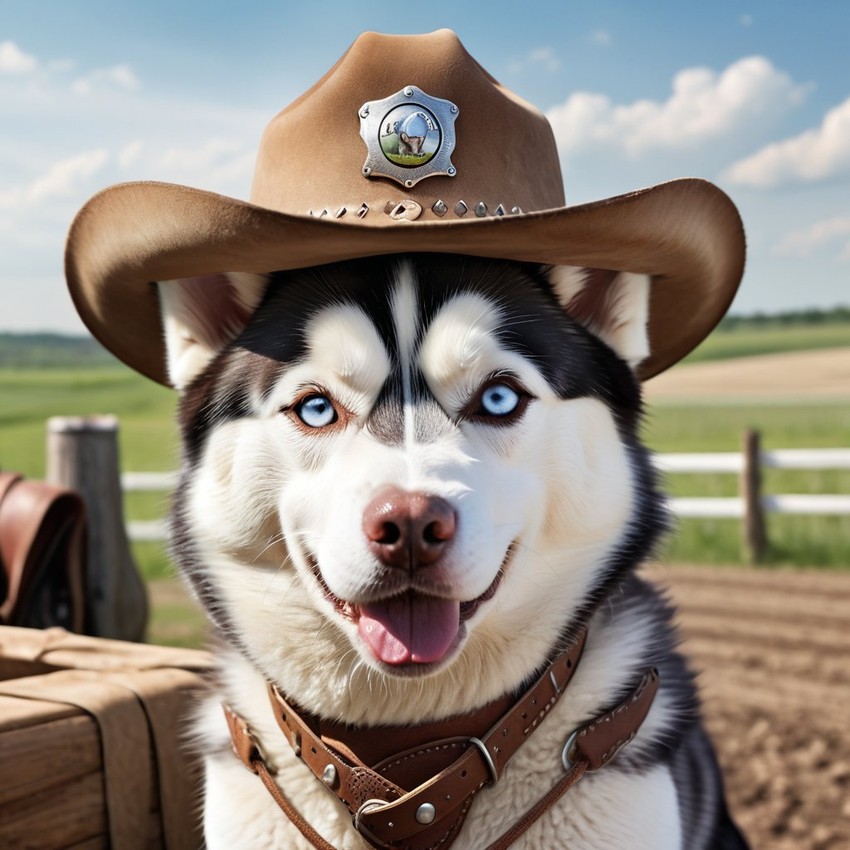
(99, 842)
(35, 758)
(58, 817)
(19, 713)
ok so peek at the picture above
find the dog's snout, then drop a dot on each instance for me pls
(408, 530)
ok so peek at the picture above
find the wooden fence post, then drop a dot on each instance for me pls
(82, 453)
(754, 532)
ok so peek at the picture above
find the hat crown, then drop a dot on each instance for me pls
(312, 155)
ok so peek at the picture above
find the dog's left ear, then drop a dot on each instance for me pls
(200, 315)
(612, 305)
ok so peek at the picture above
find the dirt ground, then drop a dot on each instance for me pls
(797, 374)
(773, 648)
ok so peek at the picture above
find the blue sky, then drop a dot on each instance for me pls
(752, 95)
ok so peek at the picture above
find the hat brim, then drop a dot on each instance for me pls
(686, 234)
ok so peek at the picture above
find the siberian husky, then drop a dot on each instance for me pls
(407, 482)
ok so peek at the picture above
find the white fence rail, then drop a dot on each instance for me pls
(734, 461)
(821, 504)
(733, 507)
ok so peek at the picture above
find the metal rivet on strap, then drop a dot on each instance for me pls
(461, 208)
(426, 813)
(364, 208)
(481, 209)
(500, 210)
(329, 776)
(440, 208)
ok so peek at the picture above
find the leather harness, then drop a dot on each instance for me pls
(445, 764)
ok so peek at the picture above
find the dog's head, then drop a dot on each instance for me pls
(407, 466)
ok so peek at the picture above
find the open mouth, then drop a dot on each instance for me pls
(412, 628)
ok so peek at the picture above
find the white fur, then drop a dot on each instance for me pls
(621, 317)
(195, 328)
(267, 496)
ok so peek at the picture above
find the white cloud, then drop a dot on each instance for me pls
(13, 60)
(818, 154)
(130, 153)
(540, 57)
(60, 180)
(601, 38)
(216, 161)
(746, 20)
(704, 106)
(805, 242)
(118, 76)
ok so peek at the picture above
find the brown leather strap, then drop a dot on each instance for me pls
(42, 551)
(601, 739)
(393, 818)
(445, 774)
(248, 750)
(540, 807)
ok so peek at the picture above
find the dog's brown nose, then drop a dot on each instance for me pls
(408, 530)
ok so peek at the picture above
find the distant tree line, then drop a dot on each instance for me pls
(51, 350)
(810, 316)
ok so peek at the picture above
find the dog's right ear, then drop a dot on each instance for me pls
(200, 315)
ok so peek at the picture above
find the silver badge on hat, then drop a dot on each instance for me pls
(409, 136)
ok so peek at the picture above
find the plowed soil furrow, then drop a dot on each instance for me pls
(773, 651)
(778, 635)
(710, 652)
(828, 701)
(764, 603)
(796, 619)
(802, 583)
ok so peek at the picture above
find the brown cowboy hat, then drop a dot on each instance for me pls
(406, 145)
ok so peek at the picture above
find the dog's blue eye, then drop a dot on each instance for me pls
(499, 400)
(317, 411)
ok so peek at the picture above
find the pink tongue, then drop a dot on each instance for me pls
(409, 628)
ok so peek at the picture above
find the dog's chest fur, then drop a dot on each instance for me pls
(467, 383)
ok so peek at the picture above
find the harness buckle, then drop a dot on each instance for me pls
(488, 759)
(365, 807)
(568, 753)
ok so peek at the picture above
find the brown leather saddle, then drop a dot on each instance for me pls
(42, 555)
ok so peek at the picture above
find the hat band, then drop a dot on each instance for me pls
(410, 210)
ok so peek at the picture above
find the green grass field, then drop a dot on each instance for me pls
(148, 442)
(745, 341)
